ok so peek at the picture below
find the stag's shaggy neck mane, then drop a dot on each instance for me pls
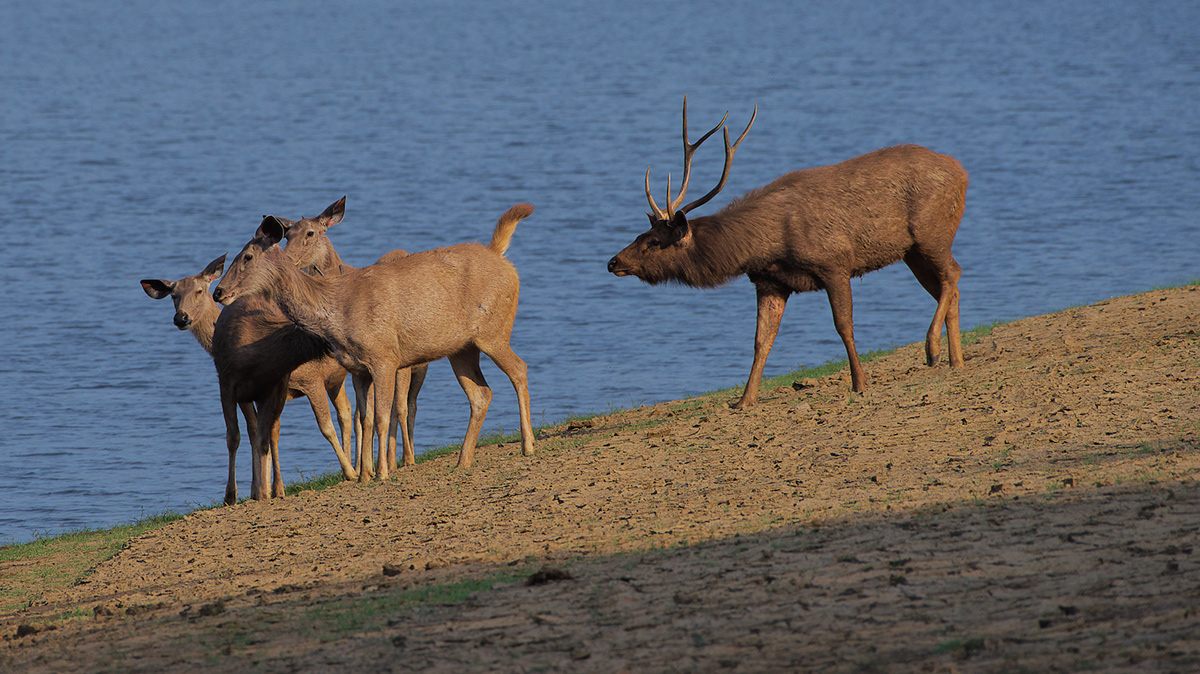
(734, 241)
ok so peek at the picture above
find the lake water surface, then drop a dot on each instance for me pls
(142, 139)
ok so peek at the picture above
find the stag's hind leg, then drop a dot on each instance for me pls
(842, 305)
(939, 276)
(466, 368)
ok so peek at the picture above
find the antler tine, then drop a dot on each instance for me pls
(658, 212)
(688, 150)
(729, 150)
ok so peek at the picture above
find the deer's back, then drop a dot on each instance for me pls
(434, 303)
(864, 213)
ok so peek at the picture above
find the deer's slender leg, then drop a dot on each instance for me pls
(771, 303)
(840, 301)
(466, 368)
(512, 365)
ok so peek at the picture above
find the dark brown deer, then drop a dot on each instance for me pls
(454, 302)
(309, 248)
(251, 344)
(814, 230)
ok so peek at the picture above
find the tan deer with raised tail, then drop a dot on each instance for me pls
(454, 302)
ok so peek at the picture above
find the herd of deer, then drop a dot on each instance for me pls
(297, 319)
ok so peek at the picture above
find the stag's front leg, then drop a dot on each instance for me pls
(771, 303)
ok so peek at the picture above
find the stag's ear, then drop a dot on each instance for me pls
(214, 269)
(334, 213)
(678, 230)
(158, 288)
(272, 229)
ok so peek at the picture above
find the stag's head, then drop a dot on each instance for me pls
(189, 294)
(651, 255)
(256, 268)
(308, 246)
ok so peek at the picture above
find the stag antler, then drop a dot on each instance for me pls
(688, 150)
(729, 150)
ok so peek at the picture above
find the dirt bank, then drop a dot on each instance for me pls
(1035, 510)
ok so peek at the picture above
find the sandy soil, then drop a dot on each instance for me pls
(1036, 510)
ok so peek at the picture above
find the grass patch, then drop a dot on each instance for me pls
(64, 560)
(314, 483)
(979, 332)
(343, 617)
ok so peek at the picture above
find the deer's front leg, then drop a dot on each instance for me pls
(771, 303)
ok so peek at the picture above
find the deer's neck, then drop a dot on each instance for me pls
(204, 325)
(311, 303)
(718, 252)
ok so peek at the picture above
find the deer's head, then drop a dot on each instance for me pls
(189, 294)
(650, 255)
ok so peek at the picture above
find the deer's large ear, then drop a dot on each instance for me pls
(272, 229)
(158, 288)
(334, 213)
(214, 269)
(679, 230)
(283, 222)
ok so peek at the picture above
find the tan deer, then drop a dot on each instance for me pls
(309, 248)
(254, 349)
(454, 303)
(814, 230)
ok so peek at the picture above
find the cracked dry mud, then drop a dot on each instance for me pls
(1036, 510)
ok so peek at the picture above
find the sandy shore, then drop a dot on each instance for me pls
(1035, 510)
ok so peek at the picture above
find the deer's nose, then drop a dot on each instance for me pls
(182, 320)
(612, 264)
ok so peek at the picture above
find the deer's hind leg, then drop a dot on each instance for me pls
(939, 276)
(512, 365)
(466, 368)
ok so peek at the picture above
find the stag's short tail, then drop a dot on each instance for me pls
(507, 225)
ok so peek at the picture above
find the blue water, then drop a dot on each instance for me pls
(143, 139)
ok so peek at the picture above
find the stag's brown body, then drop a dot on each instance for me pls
(259, 356)
(816, 229)
(454, 302)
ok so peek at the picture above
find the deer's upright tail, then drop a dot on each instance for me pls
(507, 225)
